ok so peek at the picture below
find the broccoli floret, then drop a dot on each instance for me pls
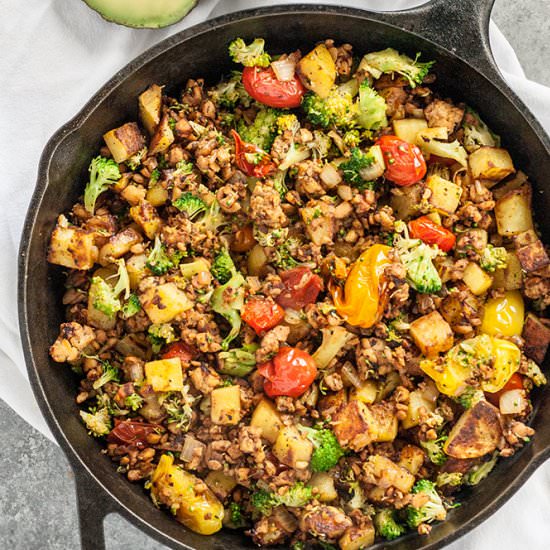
(135, 160)
(352, 167)
(451, 479)
(480, 472)
(262, 502)
(192, 268)
(469, 397)
(222, 266)
(283, 254)
(279, 183)
(289, 122)
(252, 55)
(134, 401)
(229, 93)
(372, 108)
(227, 300)
(97, 421)
(131, 307)
(183, 168)
(189, 204)
(236, 516)
(296, 153)
(395, 328)
(213, 218)
(417, 258)
(106, 297)
(178, 406)
(493, 257)
(391, 61)
(159, 335)
(434, 450)
(320, 145)
(297, 496)
(386, 524)
(476, 132)
(158, 261)
(239, 361)
(110, 374)
(352, 138)
(103, 173)
(337, 109)
(262, 131)
(431, 511)
(327, 451)
(334, 341)
(271, 239)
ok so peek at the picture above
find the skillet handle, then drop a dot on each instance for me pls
(459, 26)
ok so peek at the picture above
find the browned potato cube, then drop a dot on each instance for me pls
(537, 337)
(511, 277)
(268, 419)
(406, 200)
(125, 141)
(492, 163)
(73, 247)
(352, 425)
(164, 375)
(445, 195)
(118, 245)
(292, 449)
(411, 458)
(146, 216)
(150, 103)
(330, 404)
(432, 334)
(164, 302)
(225, 405)
(533, 257)
(384, 422)
(458, 310)
(162, 138)
(513, 212)
(358, 538)
(220, 484)
(389, 473)
(476, 279)
(477, 432)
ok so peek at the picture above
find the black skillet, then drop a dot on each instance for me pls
(454, 32)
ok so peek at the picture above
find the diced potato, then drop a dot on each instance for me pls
(477, 432)
(432, 334)
(517, 181)
(511, 277)
(406, 200)
(225, 405)
(411, 458)
(118, 245)
(146, 216)
(150, 103)
(424, 397)
(352, 425)
(391, 474)
(457, 310)
(492, 163)
(125, 141)
(165, 374)
(358, 538)
(513, 212)
(384, 422)
(317, 70)
(332, 403)
(73, 248)
(157, 195)
(318, 217)
(445, 196)
(476, 279)
(407, 128)
(268, 419)
(537, 338)
(435, 217)
(377, 168)
(220, 484)
(367, 393)
(533, 257)
(323, 482)
(137, 270)
(97, 318)
(164, 302)
(162, 138)
(292, 449)
(437, 132)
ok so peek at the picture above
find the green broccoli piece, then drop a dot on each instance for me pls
(434, 450)
(431, 511)
(534, 372)
(252, 55)
(229, 93)
(110, 374)
(131, 307)
(213, 218)
(372, 108)
(262, 502)
(135, 160)
(105, 298)
(476, 133)
(493, 257)
(469, 397)
(327, 451)
(97, 421)
(159, 335)
(417, 258)
(190, 204)
(352, 138)
(227, 300)
(320, 145)
(238, 361)
(178, 406)
(288, 121)
(391, 61)
(279, 183)
(297, 496)
(263, 130)
(283, 254)
(103, 173)
(480, 472)
(183, 168)
(296, 153)
(273, 238)
(353, 166)
(134, 401)
(158, 261)
(337, 109)
(222, 266)
(386, 524)
(236, 516)
(451, 479)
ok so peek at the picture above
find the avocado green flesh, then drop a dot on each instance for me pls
(142, 13)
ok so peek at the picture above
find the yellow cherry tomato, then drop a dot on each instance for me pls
(504, 316)
(487, 360)
(364, 297)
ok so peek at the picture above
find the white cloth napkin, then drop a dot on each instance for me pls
(55, 55)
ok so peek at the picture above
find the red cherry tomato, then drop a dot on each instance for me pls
(262, 313)
(301, 288)
(127, 432)
(289, 373)
(428, 231)
(405, 164)
(265, 87)
(515, 383)
(244, 152)
(179, 349)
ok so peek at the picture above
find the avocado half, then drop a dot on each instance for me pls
(151, 14)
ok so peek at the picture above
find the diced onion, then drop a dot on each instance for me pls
(284, 68)
(189, 446)
(330, 176)
(513, 402)
(349, 375)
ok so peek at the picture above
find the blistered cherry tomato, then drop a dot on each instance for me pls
(301, 287)
(428, 231)
(289, 373)
(127, 432)
(252, 160)
(405, 164)
(265, 87)
(179, 349)
(515, 383)
(262, 313)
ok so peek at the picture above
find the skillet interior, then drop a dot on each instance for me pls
(63, 172)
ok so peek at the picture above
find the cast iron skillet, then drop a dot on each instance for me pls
(454, 33)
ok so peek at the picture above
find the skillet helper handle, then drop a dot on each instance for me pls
(460, 26)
